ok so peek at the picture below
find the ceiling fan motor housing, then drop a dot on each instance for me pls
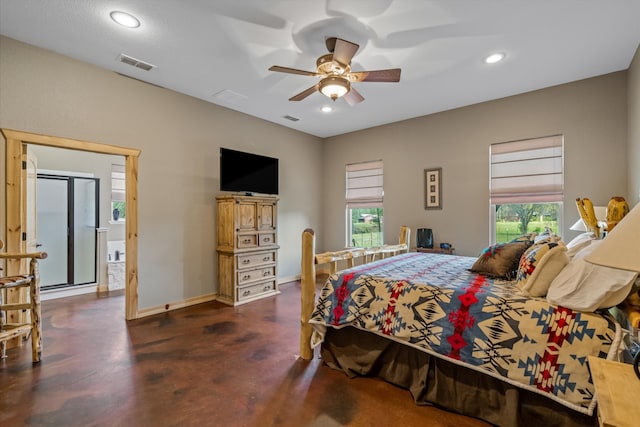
(326, 65)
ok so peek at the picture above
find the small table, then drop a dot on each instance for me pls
(436, 250)
(617, 391)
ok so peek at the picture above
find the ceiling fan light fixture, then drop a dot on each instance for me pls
(334, 87)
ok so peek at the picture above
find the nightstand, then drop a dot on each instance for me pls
(617, 391)
(436, 250)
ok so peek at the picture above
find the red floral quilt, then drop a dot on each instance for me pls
(434, 303)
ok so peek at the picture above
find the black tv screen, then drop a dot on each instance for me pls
(247, 172)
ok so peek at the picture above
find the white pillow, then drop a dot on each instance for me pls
(583, 286)
(579, 242)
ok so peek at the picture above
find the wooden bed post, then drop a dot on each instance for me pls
(346, 256)
(308, 288)
(405, 237)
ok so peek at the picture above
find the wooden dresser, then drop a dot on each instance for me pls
(247, 248)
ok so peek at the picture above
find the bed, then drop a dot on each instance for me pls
(460, 340)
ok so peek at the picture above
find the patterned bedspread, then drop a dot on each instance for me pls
(432, 302)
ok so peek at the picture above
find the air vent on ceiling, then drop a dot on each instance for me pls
(126, 59)
(229, 96)
(293, 119)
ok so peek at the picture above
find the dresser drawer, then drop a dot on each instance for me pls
(251, 291)
(255, 260)
(247, 241)
(266, 239)
(247, 276)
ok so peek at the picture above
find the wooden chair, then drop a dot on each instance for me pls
(23, 317)
(386, 251)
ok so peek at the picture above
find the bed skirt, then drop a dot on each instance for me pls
(434, 381)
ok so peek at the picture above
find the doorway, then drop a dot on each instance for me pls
(16, 223)
(67, 216)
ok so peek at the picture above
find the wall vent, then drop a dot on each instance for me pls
(126, 59)
(293, 119)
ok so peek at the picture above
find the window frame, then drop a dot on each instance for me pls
(365, 194)
(118, 192)
(554, 196)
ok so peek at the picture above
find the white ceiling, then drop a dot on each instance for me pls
(202, 48)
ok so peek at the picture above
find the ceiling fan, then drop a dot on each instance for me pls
(334, 70)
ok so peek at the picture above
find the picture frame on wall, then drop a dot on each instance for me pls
(433, 188)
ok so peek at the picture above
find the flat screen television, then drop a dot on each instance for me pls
(248, 172)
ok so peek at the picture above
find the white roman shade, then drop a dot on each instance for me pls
(117, 183)
(364, 185)
(527, 171)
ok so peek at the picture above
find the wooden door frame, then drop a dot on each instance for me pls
(14, 142)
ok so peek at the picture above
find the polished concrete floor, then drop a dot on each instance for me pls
(206, 365)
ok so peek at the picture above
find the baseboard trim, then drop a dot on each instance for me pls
(175, 305)
(195, 300)
(68, 291)
(282, 280)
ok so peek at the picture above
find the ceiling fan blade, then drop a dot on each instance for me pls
(302, 95)
(390, 75)
(353, 97)
(292, 71)
(344, 51)
(330, 43)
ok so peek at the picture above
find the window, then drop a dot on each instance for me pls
(526, 187)
(364, 196)
(118, 204)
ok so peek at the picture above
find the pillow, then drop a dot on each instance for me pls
(527, 238)
(583, 286)
(546, 237)
(539, 265)
(579, 242)
(580, 239)
(500, 260)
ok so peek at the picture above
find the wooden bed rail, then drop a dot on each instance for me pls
(346, 256)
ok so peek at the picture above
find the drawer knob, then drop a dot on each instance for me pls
(246, 241)
(246, 277)
(245, 293)
(266, 273)
(266, 288)
(266, 258)
(246, 261)
(266, 239)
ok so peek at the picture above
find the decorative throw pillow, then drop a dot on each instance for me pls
(546, 237)
(527, 238)
(500, 260)
(539, 265)
(584, 286)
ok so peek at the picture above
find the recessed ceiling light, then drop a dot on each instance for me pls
(494, 57)
(125, 19)
(326, 109)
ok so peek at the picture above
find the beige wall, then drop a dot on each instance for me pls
(180, 137)
(591, 114)
(634, 130)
